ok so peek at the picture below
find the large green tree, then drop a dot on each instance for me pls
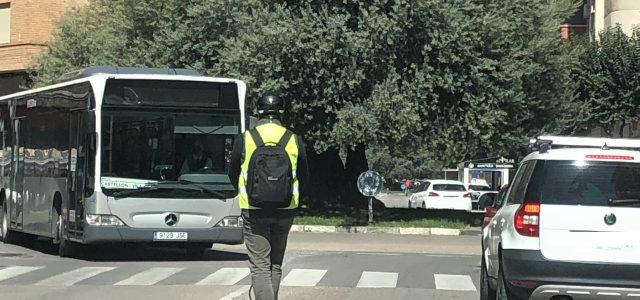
(607, 81)
(415, 84)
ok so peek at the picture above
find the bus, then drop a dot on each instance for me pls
(113, 154)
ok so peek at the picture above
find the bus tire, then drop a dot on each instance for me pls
(65, 247)
(7, 235)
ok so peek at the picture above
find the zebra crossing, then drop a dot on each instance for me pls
(227, 276)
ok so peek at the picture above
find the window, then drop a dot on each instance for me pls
(520, 183)
(591, 184)
(449, 187)
(5, 23)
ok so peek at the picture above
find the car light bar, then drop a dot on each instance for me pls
(543, 143)
(611, 157)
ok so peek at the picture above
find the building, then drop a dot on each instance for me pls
(605, 14)
(26, 26)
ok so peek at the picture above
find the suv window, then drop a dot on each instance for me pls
(518, 188)
(592, 183)
(449, 187)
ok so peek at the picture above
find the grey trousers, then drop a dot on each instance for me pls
(266, 241)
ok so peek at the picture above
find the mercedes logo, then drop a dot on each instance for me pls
(171, 219)
(610, 219)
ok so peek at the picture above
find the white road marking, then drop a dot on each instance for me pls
(303, 277)
(454, 282)
(75, 276)
(237, 293)
(378, 280)
(150, 277)
(225, 276)
(11, 272)
(377, 253)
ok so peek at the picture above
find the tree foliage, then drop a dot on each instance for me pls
(607, 82)
(418, 84)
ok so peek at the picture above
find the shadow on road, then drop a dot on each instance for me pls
(129, 251)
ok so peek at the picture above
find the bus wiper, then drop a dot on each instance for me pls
(204, 189)
(623, 202)
(126, 193)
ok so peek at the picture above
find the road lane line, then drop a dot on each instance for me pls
(225, 276)
(454, 282)
(150, 277)
(378, 280)
(15, 271)
(75, 276)
(378, 253)
(237, 293)
(303, 277)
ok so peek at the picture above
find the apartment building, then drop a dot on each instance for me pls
(26, 26)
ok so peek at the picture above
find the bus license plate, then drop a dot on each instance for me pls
(170, 236)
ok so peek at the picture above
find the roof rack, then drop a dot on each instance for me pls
(86, 72)
(545, 142)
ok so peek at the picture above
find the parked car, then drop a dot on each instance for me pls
(569, 224)
(441, 194)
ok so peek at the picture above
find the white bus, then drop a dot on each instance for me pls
(115, 154)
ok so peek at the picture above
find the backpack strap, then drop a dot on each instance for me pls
(257, 139)
(284, 140)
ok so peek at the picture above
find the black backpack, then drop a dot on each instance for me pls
(270, 178)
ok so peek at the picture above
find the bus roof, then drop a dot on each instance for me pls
(86, 72)
(127, 75)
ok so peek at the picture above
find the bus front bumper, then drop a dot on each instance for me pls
(108, 234)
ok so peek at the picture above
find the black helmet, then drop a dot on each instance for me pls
(270, 104)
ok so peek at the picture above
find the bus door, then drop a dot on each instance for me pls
(77, 168)
(17, 174)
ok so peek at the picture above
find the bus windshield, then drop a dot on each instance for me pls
(156, 148)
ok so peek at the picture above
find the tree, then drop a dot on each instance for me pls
(417, 84)
(607, 78)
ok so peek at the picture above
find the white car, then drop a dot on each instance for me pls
(569, 225)
(441, 194)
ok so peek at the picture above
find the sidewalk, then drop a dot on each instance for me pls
(387, 230)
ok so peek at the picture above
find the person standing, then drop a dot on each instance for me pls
(268, 168)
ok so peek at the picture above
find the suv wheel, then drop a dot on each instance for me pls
(501, 289)
(486, 292)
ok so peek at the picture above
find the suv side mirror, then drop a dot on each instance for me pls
(486, 200)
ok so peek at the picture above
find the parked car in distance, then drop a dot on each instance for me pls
(441, 194)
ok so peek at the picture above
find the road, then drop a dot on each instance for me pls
(317, 266)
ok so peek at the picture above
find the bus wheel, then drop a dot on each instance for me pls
(65, 247)
(8, 236)
(196, 250)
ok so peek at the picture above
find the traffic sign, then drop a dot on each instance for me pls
(370, 183)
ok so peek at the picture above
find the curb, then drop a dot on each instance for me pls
(387, 230)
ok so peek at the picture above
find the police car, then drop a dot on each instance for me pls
(569, 226)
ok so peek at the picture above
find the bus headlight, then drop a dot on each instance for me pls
(104, 220)
(233, 221)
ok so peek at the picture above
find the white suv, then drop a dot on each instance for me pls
(569, 227)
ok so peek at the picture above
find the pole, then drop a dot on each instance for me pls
(370, 209)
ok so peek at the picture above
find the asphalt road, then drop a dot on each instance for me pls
(317, 266)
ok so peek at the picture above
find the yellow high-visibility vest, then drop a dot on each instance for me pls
(270, 134)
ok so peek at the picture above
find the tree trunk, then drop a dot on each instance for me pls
(622, 128)
(327, 172)
(356, 164)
